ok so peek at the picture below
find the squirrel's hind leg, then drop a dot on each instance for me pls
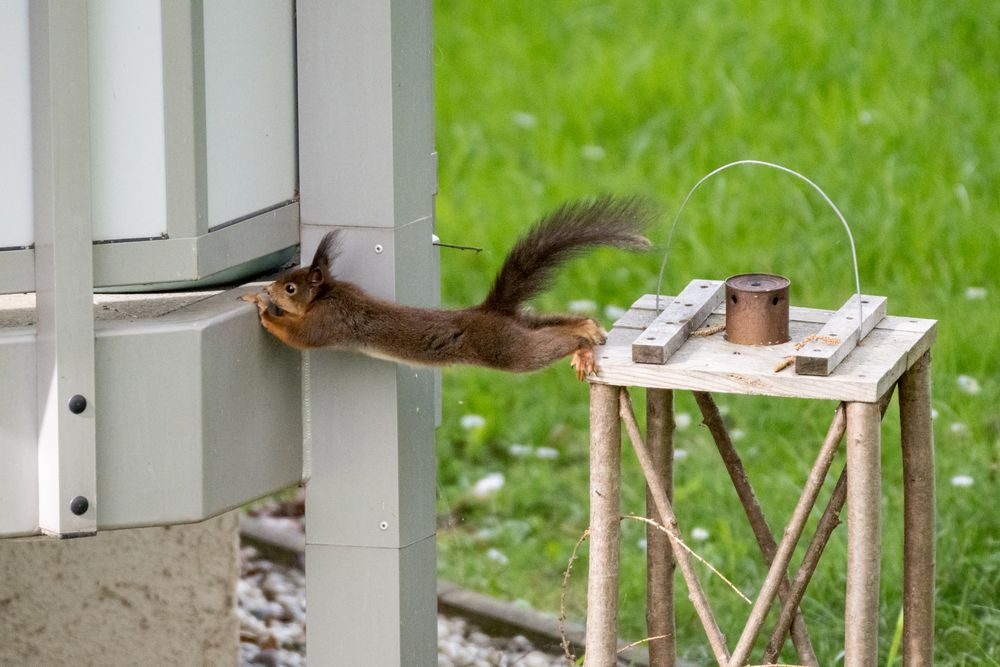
(576, 337)
(577, 325)
(592, 331)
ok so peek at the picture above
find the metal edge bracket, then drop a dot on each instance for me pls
(60, 100)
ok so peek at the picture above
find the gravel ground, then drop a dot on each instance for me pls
(272, 611)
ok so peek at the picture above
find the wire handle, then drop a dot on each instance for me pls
(677, 216)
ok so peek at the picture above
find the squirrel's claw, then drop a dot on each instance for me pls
(584, 362)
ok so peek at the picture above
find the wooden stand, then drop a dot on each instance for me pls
(897, 350)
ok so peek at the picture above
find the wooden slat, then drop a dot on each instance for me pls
(673, 326)
(636, 319)
(821, 357)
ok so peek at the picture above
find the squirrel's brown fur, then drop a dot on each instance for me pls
(309, 308)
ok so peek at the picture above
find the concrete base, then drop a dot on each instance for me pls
(154, 596)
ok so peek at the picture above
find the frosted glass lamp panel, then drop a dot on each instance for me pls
(128, 172)
(249, 107)
(16, 226)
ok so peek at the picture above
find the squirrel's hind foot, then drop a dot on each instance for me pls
(584, 362)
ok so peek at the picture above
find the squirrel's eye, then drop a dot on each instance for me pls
(290, 288)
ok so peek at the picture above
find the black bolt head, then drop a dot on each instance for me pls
(79, 505)
(77, 404)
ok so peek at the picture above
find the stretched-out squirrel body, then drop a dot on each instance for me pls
(309, 308)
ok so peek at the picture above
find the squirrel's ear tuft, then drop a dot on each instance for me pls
(325, 254)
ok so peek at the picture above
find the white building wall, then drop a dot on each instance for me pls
(250, 106)
(15, 127)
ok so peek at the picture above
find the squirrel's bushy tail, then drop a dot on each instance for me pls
(562, 235)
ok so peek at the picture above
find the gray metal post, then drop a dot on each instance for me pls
(60, 103)
(366, 167)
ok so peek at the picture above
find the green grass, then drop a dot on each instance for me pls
(891, 108)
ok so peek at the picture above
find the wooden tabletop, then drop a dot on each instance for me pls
(710, 363)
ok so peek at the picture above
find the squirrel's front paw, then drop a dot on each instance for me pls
(584, 362)
(259, 298)
(263, 303)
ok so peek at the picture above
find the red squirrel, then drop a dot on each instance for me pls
(309, 308)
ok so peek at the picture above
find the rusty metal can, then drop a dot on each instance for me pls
(757, 309)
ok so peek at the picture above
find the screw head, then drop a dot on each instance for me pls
(79, 505)
(77, 404)
(384, 525)
(378, 248)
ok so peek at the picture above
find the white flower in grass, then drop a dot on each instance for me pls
(737, 434)
(699, 534)
(547, 453)
(592, 152)
(613, 312)
(469, 422)
(520, 450)
(962, 481)
(497, 556)
(488, 485)
(487, 533)
(524, 120)
(682, 420)
(643, 544)
(958, 428)
(934, 413)
(680, 454)
(968, 384)
(975, 293)
(865, 117)
(582, 306)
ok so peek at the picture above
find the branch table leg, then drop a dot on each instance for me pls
(864, 495)
(824, 529)
(659, 558)
(755, 515)
(827, 523)
(605, 518)
(793, 531)
(695, 592)
(918, 513)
